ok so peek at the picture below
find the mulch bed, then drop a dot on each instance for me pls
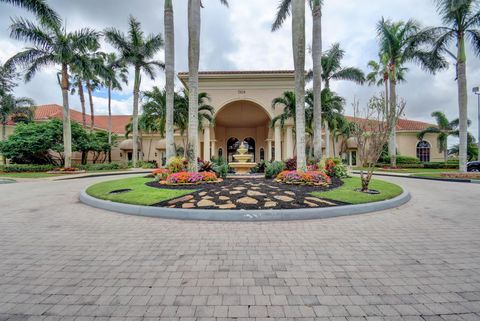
(246, 193)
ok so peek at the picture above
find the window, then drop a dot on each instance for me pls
(262, 154)
(250, 144)
(423, 151)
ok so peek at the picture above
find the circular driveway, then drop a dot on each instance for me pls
(60, 258)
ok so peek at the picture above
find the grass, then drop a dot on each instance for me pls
(346, 193)
(412, 170)
(140, 194)
(27, 175)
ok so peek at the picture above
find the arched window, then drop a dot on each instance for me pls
(250, 144)
(232, 146)
(262, 154)
(423, 151)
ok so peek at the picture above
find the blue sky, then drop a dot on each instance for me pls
(239, 38)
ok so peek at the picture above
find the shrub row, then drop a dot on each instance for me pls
(12, 168)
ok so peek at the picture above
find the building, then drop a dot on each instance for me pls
(243, 112)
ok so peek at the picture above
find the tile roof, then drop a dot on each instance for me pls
(240, 72)
(45, 112)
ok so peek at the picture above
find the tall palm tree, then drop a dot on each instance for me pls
(298, 45)
(53, 45)
(194, 23)
(39, 7)
(401, 42)
(443, 129)
(461, 19)
(283, 12)
(8, 78)
(115, 73)
(169, 76)
(288, 102)
(332, 67)
(76, 83)
(138, 51)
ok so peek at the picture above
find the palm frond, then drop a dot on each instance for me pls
(283, 11)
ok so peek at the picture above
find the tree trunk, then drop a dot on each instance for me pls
(81, 95)
(4, 136)
(169, 77)
(110, 123)
(90, 100)
(317, 79)
(392, 145)
(193, 63)
(298, 42)
(136, 92)
(445, 154)
(462, 103)
(327, 140)
(334, 147)
(67, 130)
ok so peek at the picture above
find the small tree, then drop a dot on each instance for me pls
(371, 130)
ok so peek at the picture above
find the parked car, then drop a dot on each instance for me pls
(473, 166)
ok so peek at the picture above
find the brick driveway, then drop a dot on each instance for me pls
(62, 260)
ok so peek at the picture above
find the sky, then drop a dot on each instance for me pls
(239, 38)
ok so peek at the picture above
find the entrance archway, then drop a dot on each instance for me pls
(242, 121)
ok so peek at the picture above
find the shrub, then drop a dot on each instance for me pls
(272, 169)
(220, 167)
(259, 168)
(177, 165)
(402, 160)
(103, 166)
(191, 178)
(205, 166)
(316, 178)
(291, 164)
(12, 168)
(437, 165)
(335, 168)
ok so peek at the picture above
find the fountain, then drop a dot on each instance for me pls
(242, 161)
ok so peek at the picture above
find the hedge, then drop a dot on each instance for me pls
(103, 166)
(16, 168)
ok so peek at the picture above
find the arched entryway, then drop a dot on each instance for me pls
(423, 151)
(242, 121)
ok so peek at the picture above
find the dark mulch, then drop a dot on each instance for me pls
(268, 191)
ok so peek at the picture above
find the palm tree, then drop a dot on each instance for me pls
(461, 20)
(194, 23)
(8, 78)
(298, 44)
(138, 51)
(169, 76)
(76, 82)
(443, 129)
(15, 109)
(40, 8)
(53, 45)
(288, 102)
(282, 12)
(401, 42)
(332, 68)
(115, 73)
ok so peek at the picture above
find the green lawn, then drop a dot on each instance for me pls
(140, 194)
(346, 193)
(411, 170)
(27, 175)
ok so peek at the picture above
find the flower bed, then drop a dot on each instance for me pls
(186, 178)
(470, 175)
(315, 178)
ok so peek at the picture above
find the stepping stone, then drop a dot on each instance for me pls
(227, 206)
(172, 206)
(289, 193)
(235, 192)
(247, 200)
(284, 198)
(270, 204)
(255, 193)
(205, 203)
(314, 199)
(255, 187)
(224, 198)
(188, 205)
(239, 188)
(216, 193)
(310, 204)
(202, 193)
(192, 201)
(207, 198)
(181, 199)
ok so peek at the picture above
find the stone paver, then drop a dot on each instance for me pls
(61, 260)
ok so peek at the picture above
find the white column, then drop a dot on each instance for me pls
(268, 156)
(206, 143)
(214, 148)
(289, 142)
(278, 143)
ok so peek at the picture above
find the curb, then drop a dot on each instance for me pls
(245, 215)
(453, 180)
(101, 175)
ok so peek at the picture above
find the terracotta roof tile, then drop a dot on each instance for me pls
(241, 72)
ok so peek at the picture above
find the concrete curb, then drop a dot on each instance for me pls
(453, 180)
(244, 215)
